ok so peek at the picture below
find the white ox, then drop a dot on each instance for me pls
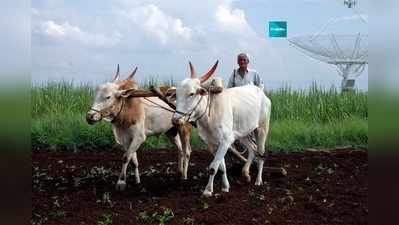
(232, 114)
(134, 119)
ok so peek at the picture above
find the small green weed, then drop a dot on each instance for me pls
(106, 199)
(161, 218)
(107, 220)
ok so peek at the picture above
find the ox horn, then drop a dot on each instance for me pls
(116, 77)
(132, 74)
(192, 70)
(206, 76)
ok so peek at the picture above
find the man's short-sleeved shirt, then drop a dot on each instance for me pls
(251, 77)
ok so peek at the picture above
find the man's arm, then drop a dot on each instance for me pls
(231, 81)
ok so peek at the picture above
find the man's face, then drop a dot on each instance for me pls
(242, 62)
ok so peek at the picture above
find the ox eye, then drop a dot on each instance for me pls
(108, 97)
(192, 94)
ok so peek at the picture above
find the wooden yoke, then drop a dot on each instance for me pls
(141, 93)
(160, 95)
(153, 92)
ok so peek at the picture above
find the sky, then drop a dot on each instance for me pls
(83, 41)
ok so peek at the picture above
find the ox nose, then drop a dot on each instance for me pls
(90, 118)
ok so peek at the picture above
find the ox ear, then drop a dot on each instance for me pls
(124, 93)
(132, 74)
(202, 91)
(206, 76)
(116, 76)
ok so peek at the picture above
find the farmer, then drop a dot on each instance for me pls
(240, 77)
(243, 75)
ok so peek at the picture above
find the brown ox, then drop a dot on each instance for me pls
(133, 119)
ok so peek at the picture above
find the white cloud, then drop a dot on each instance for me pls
(55, 30)
(158, 32)
(154, 21)
(67, 32)
(83, 42)
(232, 19)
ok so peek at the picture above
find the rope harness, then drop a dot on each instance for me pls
(107, 113)
(190, 113)
(160, 106)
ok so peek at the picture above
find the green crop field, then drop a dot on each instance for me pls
(313, 118)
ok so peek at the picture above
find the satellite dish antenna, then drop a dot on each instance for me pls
(350, 3)
(348, 53)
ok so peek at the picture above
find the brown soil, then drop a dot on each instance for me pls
(320, 188)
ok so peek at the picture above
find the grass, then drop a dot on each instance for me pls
(297, 135)
(314, 118)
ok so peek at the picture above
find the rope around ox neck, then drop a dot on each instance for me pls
(104, 113)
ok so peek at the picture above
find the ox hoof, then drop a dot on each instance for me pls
(247, 178)
(258, 183)
(225, 189)
(120, 185)
(181, 177)
(207, 194)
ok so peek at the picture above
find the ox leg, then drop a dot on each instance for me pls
(130, 154)
(174, 137)
(214, 166)
(247, 166)
(261, 139)
(187, 155)
(181, 156)
(251, 155)
(184, 133)
(121, 183)
(136, 167)
(225, 181)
